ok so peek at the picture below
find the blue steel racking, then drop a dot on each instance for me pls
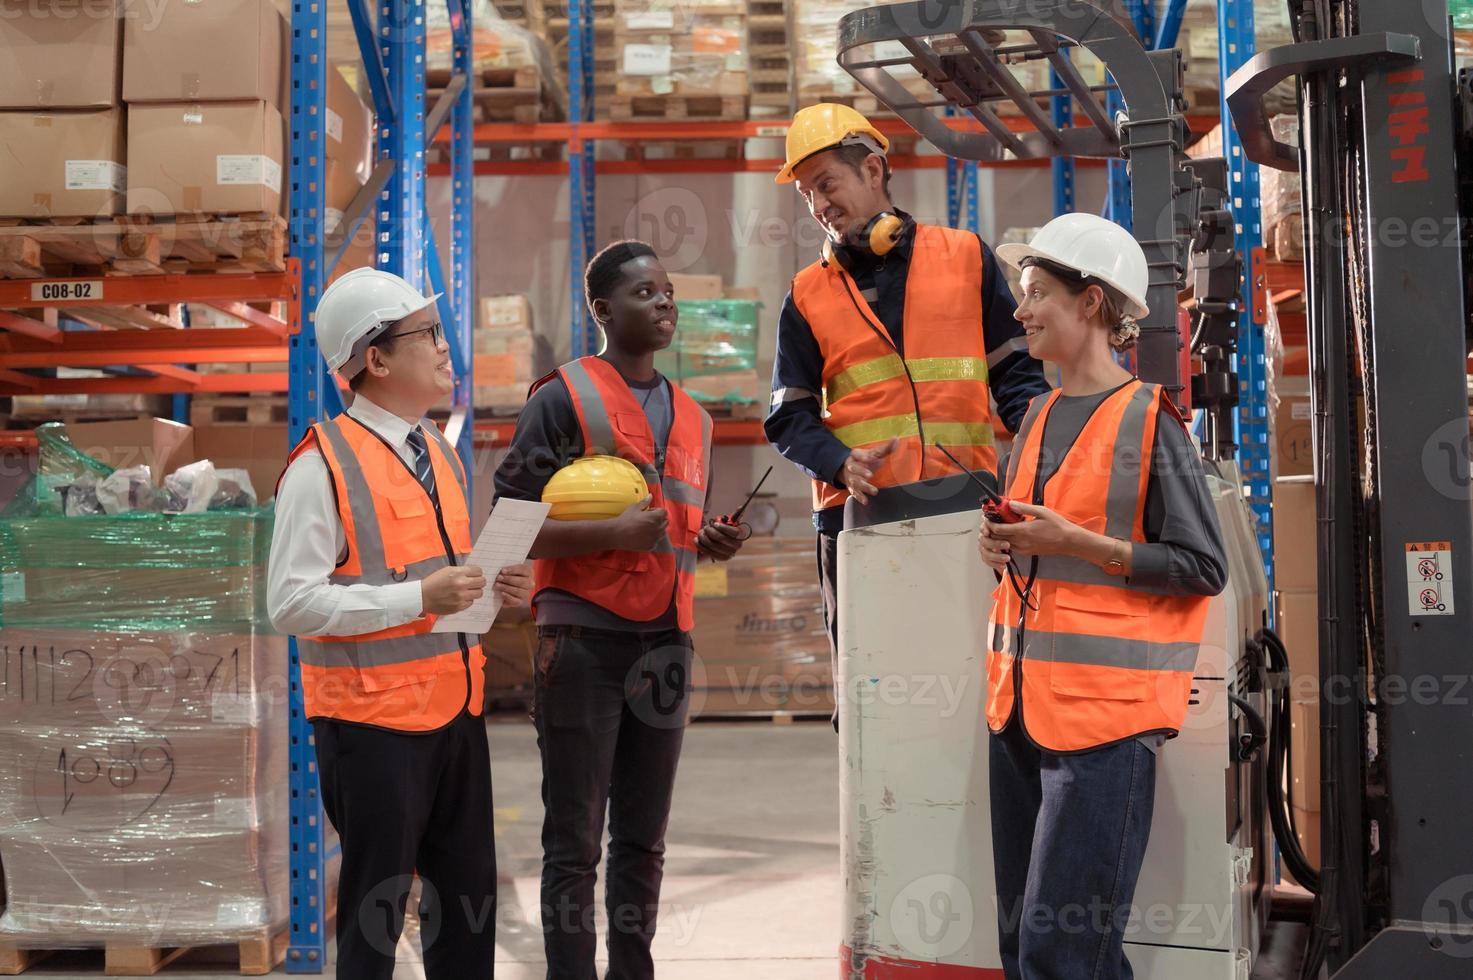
(393, 51)
(1235, 39)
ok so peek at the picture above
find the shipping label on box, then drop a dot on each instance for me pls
(647, 59)
(247, 168)
(96, 175)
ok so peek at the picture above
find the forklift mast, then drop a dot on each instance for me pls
(1384, 127)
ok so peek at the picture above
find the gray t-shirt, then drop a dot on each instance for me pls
(547, 437)
(1183, 551)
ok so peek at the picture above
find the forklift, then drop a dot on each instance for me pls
(1386, 144)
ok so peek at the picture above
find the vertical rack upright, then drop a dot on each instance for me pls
(392, 45)
(1235, 38)
(582, 172)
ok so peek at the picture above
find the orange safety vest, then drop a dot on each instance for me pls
(637, 585)
(1101, 660)
(937, 392)
(404, 678)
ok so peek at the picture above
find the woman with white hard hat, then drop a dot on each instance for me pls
(371, 544)
(1101, 606)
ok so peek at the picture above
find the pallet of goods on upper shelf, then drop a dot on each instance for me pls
(514, 77)
(684, 61)
(1198, 41)
(149, 147)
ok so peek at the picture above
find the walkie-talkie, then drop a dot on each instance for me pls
(998, 510)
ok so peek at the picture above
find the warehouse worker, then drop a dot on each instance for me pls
(372, 532)
(1089, 675)
(614, 604)
(890, 342)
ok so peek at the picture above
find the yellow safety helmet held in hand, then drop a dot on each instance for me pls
(823, 127)
(594, 488)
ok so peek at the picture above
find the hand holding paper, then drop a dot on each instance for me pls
(506, 540)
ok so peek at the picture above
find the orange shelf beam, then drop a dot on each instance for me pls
(556, 168)
(275, 381)
(137, 348)
(657, 129)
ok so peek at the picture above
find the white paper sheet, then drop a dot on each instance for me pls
(505, 540)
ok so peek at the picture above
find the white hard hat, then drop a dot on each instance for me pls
(1093, 246)
(356, 308)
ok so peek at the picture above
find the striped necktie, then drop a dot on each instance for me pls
(423, 470)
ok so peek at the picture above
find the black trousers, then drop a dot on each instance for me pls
(403, 803)
(610, 709)
(828, 577)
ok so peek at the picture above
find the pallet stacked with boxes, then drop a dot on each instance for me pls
(143, 766)
(684, 61)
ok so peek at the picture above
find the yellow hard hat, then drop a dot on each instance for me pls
(594, 488)
(822, 127)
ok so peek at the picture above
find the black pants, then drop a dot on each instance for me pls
(402, 803)
(610, 709)
(828, 577)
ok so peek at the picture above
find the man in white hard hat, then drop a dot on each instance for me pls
(897, 337)
(371, 538)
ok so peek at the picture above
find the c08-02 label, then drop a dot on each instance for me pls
(70, 289)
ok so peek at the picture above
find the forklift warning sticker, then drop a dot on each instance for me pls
(1430, 578)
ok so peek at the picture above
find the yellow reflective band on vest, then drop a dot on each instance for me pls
(890, 366)
(904, 426)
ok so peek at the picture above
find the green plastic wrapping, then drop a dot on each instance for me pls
(715, 336)
(1462, 13)
(58, 464)
(140, 571)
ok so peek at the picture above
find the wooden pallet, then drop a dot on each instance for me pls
(686, 150)
(719, 107)
(257, 955)
(236, 410)
(520, 95)
(144, 245)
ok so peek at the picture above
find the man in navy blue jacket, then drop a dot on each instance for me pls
(837, 160)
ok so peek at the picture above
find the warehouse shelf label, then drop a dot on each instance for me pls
(1430, 578)
(772, 131)
(67, 289)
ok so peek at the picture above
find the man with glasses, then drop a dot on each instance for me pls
(371, 538)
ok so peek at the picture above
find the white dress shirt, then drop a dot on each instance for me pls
(308, 542)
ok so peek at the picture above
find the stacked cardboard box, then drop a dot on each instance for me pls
(143, 767)
(1297, 604)
(108, 107)
(696, 49)
(506, 359)
(759, 632)
(61, 124)
(1282, 195)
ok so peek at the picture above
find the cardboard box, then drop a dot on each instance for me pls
(1298, 625)
(260, 450)
(1304, 739)
(1296, 543)
(81, 678)
(74, 164)
(1288, 238)
(696, 287)
(1307, 823)
(207, 51)
(340, 186)
(506, 312)
(215, 158)
(160, 444)
(760, 632)
(59, 62)
(1293, 437)
(349, 128)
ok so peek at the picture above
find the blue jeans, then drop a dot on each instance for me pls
(1069, 834)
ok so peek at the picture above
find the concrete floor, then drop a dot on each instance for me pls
(751, 881)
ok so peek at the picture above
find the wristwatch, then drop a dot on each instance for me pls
(1115, 566)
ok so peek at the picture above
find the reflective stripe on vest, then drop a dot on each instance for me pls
(613, 423)
(1101, 659)
(869, 396)
(891, 366)
(393, 535)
